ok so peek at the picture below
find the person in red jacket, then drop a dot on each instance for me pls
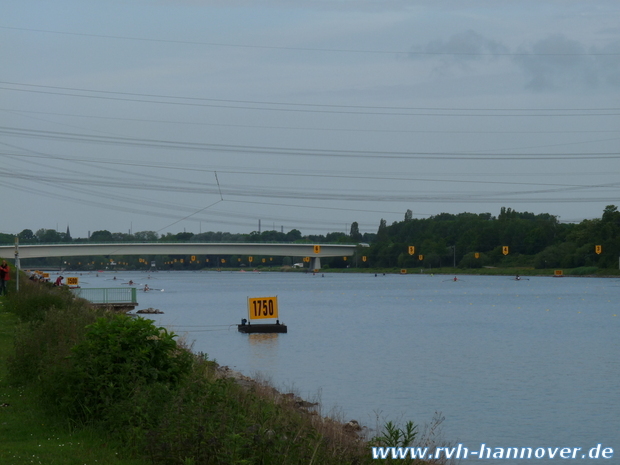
(4, 277)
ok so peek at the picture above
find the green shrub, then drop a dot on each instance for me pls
(121, 362)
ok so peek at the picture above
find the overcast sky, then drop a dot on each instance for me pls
(195, 115)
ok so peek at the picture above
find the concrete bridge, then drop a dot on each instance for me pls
(314, 251)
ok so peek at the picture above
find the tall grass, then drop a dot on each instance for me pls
(52, 322)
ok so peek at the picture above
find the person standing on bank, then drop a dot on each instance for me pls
(4, 277)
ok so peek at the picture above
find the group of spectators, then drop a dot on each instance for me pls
(39, 277)
(5, 276)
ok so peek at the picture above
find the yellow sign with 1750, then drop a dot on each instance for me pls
(262, 307)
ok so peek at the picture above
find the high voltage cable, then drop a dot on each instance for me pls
(64, 185)
(371, 130)
(307, 49)
(180, 185)
(303, 128)
(366, 196)
(177, 207)
(142, 211)
(261, 171)
(301, 107)
(322, 105)
(267, 150)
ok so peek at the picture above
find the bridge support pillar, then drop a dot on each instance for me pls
(315, 263)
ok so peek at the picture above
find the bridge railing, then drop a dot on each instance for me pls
(116, 295)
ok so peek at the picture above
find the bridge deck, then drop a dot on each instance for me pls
(162, 248)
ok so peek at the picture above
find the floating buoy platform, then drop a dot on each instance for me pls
(262, 328)
(262, 308)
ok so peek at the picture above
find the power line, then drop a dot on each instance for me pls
(304, 49)
(307, 128)
(299, 107)
(288, 151)
(180, 186)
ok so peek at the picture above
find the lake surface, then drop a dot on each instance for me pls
(529, 363)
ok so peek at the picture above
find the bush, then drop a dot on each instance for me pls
(34, 299)
(121, 362)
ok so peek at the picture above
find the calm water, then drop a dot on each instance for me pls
(530, 363)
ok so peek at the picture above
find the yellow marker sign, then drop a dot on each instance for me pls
(72, 281)
(420, 257)
(558, 273)
(598, 249)
(364, 258)
(250, 259)
(505, 250)
(477, 255)
(262, 307)
(344, 258)
(46, 275)
(193, 258)
(411, 250)
(317, 249)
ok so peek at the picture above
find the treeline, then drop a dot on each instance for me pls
(469, 240)
(464, 240)
(51, 236)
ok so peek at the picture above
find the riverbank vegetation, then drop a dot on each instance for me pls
(513, 240)
(81, 385)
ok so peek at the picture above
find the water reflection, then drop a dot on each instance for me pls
(264, 352)
(264, 339)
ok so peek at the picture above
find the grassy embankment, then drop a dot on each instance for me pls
(79, 385)
(28, 434)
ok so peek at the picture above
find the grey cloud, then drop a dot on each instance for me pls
(607, 62)
(558, 62)
(555, 62)
(462, 47)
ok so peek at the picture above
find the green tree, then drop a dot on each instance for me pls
(293, 235)
(48, 236)
(151, 236)
(27, 236)
(382, 232)
(101, 236)
(336, 237)
(355, 232)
